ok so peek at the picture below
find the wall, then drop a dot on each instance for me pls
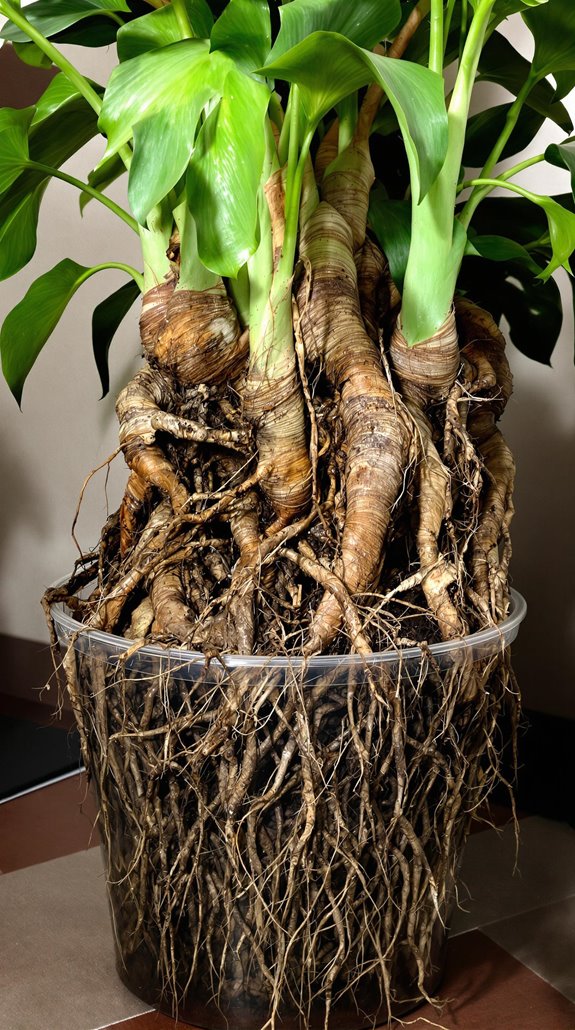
(64, 432)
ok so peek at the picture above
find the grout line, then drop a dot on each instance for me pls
(46, 783)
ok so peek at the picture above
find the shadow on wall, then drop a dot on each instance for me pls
(20, 85)
(543, 564)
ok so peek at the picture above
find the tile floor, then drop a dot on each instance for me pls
(511, 962)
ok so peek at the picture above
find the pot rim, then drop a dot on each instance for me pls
(481, 644)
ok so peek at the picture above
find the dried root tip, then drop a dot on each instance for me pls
(153, 315)
(427, 371)
(146, 395)
(136, 494)
(346, 186)
(276, 407)
(245, 528)
(171, 614)
(434, 503)
(483, 344)
(201, 340)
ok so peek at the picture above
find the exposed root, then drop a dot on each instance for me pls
(261, 820)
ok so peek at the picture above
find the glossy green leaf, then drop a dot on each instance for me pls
(53, 16)
(168, 80)
(562, 155)
(51, 141)
(106, 318)
(166, 133)
(103, 175)
(14, 127)
(553, 29)
(365, 22)
(243, 31)
(328, 68)
(225, 172)
(31, 55)
(160, 28)
(18, 228)
(484, 128)
(30, 324)
(532, 309)
(564, 83)
(390, 220)
(56, 95)
(512, 216)
(502, 64)
(561, 223)
(500, 248)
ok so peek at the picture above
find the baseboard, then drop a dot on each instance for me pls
(27, 670)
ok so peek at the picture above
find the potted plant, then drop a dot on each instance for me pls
(288, 655)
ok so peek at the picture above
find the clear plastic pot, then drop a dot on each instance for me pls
(282, 837)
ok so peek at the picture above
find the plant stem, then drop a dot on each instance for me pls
(182, 18)
(56, 173)
(501, 179)
(436, 37)
(75, 77)
(437, 239)
(498, 148)
(347, 121)
(133, 272)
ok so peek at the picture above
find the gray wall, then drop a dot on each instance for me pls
(64, 431)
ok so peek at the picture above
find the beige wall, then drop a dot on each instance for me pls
(64, 432)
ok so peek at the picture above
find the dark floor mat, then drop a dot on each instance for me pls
(31, 754)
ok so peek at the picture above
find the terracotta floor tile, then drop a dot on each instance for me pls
(491, 991)
(48, 823)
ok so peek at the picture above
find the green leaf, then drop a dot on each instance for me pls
(502, 64)
(160, 28)
(106, 318)
(168, 132)
(14, 127)
(500, 248)
(364, 22)
(328, 67)
(52, 140)
(224, 175)
(167, 80)
(29, 325)
(52, 16)
(243, 31)
(533, 309)
(553, 29)
(31, 55)
(485, 127)
(391, 223)
(103, 175)
(18, 227)
(561, 224)
(562, 155)
(564, 83)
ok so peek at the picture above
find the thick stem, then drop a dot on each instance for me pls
(437, 240)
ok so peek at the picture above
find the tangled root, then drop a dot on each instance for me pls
(270, 857)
